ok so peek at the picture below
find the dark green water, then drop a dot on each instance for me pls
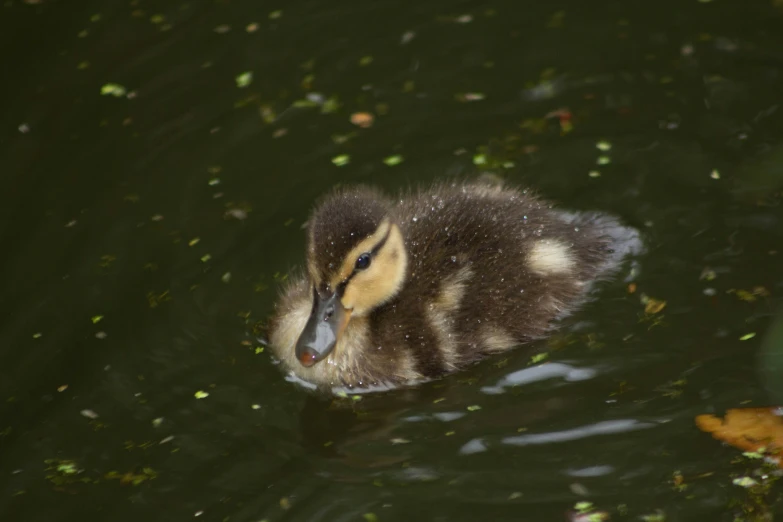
(144, 235)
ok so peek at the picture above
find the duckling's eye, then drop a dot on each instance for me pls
(363, 261)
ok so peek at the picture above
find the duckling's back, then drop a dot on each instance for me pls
(490, 268)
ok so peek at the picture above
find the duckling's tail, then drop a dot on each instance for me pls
(617, 242)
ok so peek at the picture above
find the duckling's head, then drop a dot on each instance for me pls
(356, 262)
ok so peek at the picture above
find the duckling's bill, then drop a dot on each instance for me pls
(326, 324)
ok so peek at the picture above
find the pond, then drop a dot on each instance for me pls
(160, 158)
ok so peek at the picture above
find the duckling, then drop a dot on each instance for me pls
(404, 290)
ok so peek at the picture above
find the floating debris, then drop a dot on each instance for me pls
(201, 394)
(90, 414)
(748, 336)
(715, 174)
(362, 119)
(604, 160)
(538, 358)
(407, 37)
(745, 482)
(652, 306)
(132, 478)
(393, 160)
(470, 96)
(603, 145)
(244, 79)
(757, 430)
(113, 89)
(96, 319)
(341, 160)
(274, 15)
(474, 407)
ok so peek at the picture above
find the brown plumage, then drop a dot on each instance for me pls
(448, 274)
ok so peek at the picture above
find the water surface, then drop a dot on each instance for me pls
(145, 232)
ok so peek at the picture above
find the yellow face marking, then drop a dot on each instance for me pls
(366, 245)
(381, 281)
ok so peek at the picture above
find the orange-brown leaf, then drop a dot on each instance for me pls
(750, 429)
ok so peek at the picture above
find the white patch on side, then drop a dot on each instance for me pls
(440, 315)
(550, 257)
(495, 339)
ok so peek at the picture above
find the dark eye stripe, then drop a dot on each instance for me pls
(374, 251)
(382, 242)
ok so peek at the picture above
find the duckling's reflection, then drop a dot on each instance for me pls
(355, 431)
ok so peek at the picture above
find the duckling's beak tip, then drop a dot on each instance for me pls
(308, 358)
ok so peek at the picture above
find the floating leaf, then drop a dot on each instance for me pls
(745, 482)
(393, 160)
(96, 319)
(653, 306)
(362, 119)
(341, 160)
(113, 89)
(244, 79)
(538, 358)
(474, 407)
(201, 394)
(750, 429)
(747, 336)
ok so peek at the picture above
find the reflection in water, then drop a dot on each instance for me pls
(479, 445)
(538, 373)
(600, 428)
